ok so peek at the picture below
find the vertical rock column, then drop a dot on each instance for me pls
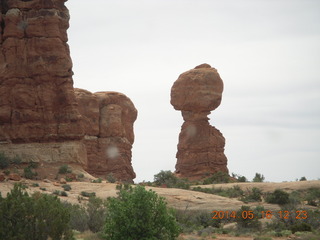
(39, 119)
(37, 102)
(201, 146)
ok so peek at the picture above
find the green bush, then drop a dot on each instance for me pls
(64, 169)
(139, 214)
(98, 180)
(110, 178)
(96, 211)
(66, 187)
(168, 179)
(278, 197)
(258, 178)
(4, 161)
(253, 195)
(165, 177)
(88, 194)
(303, 179)
(16, 160)
(29, 173)
(313, 196)
(78, 217)
(218, 177)
(247, 218)
(37, 217)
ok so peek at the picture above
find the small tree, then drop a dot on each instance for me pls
(258, 178)
(138, 214)
(247, 218)
(96, 214)
(165, 177)
(38, 217)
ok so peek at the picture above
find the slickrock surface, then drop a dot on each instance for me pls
(108, 123)
(201, 146)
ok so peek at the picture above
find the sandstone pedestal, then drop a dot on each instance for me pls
(201, 146)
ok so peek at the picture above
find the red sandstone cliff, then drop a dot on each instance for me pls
(40, 118)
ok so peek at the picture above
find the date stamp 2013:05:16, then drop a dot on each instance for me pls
(299, 214)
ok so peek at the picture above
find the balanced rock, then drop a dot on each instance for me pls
(201, 146)
(108, 119)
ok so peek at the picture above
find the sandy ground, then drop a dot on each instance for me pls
(177, 198)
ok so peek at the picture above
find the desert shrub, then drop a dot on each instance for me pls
(43, 189)
(313, 196)
(33, 165)
(35, 185)
(88, 194)
(234, 192)
(110, 178)
(139, 214)
(16, 160)
(170, 180)
(218, 177)
(6, 172)
(195, 220)
(78, 217)
(4, 161)
(29, 173)
(242, 179)
(258, 178)
(98, 180)
(301, 227)
(165, 177)
(278, 197)
(295, 197)
(64, 169)
(66, 187)
(96, 211)
(80, 175)
(37, 217)
(63, 194)
(253, 195)
(247, 218)
(303, 179)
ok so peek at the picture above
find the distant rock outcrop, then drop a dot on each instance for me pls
(108, 119)
(39, 115)
(201, 146)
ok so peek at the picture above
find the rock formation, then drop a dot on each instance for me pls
(39, 115)
(108, 119)
(201, 146)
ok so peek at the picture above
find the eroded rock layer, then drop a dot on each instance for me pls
(201, 146)
(108, 119)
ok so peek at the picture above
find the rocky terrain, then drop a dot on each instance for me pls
(42, 118)
(201, 146)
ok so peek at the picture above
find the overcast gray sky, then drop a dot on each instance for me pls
(266, 51)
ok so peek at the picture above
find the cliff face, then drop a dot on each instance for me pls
(201, 146)
(37, 102)
(40, 117)
(108, 119)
